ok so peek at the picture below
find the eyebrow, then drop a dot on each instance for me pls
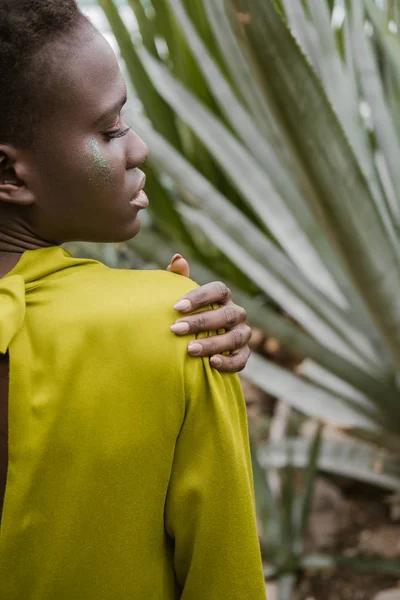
(112, 110)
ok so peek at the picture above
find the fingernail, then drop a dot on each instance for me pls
(183, 305)
(215, 361)
(195, 348)
(180, 327)
(175, 257)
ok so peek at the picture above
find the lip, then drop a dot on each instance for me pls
(140, 199)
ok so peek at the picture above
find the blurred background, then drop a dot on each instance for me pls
(274, 131)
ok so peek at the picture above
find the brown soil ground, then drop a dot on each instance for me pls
(344, 585)
(360, 525)
(348, 519)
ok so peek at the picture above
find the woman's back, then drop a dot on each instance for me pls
(129, 471)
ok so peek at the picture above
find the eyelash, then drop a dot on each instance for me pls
(112, 135)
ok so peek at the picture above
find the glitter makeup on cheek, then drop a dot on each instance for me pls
(98, 167)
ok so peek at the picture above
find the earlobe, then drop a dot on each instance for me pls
(13, 190)
(16, 194)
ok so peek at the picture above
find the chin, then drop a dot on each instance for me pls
(121, 233)
(127, 233)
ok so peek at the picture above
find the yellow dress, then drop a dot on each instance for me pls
(129, 474)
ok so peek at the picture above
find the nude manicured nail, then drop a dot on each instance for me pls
(183, 305)
(176, 257)
(180, 328)
(195, 348)
(215, 361)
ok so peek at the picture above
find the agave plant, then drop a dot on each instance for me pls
(284, 518)
(274, 130)
(275, 160)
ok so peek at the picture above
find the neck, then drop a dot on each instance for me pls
(15, 239)
(16, 235)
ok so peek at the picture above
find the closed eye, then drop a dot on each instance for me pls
(119, 133)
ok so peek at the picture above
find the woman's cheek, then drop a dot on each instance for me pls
(100, 171)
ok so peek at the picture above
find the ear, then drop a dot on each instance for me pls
(13, 167)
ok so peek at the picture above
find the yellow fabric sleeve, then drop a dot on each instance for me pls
(210, 502)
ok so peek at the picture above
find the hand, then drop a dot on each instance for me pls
(228, 316)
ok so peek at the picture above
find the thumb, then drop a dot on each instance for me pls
(179, 266)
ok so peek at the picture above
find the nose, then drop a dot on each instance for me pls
(137, 151)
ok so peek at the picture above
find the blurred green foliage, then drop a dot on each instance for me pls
(275, 164)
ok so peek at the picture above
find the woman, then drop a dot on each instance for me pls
(128, 461)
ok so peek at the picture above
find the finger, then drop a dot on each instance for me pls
(225, 317)
(179, 266)
(215, 292)
(217, 344)
(234, 363)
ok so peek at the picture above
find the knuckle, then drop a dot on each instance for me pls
(211, 346)
(237, 338)
(248, 333)
(199, 323)
(239, 363)
(231, 316)
(200, 297)
(243, 314)
(225, 292)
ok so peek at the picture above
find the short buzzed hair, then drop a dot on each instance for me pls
(26, 28)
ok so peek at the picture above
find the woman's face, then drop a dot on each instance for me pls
(83, 167)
